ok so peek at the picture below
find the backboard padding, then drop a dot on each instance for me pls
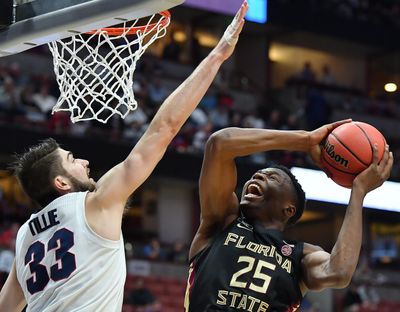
(32, 8)
(81, 18)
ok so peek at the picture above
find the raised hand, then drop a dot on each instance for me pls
(377, 173)
(228, 41)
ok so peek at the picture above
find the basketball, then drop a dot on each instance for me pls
(348, 150)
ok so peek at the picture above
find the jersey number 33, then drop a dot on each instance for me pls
(61, 242)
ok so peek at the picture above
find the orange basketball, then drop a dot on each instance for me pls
(348, 150)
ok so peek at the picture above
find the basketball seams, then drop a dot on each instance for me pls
(336, 168)
(342, 181)
(337, 157)
(369, 141)
(349, 150)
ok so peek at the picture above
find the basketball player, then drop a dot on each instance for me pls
(239, 260)
(70, 254)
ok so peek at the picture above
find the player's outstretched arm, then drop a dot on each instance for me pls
(11, 295)
(335, 270)
(115, 186)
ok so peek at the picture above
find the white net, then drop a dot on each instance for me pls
(95, 71)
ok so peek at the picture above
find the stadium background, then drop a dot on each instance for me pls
(302, 64)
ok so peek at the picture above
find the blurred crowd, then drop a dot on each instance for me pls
(376, 12)
(8, 233)
(319, 97)
(332, 94)
(27, 100)
(383, 12)
(156, 250)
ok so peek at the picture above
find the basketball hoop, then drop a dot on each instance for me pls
(95, 70)
(116, 31)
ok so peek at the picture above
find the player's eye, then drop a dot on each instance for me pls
(273, 177)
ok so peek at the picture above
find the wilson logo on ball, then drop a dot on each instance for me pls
(330, 151)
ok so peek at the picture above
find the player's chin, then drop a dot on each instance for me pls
(249, 210)
(250, 203)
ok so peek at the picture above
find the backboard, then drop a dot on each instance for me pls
(38, 22)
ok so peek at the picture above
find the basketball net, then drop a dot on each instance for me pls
(94, 71)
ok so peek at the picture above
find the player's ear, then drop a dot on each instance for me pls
(61, 183)
(290, 211)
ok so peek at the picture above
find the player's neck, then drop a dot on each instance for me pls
(272, 225)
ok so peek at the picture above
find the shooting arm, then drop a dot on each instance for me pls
(334, 270)
(237, 142)
(323, 270)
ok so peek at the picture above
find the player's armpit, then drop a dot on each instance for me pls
(206, 233)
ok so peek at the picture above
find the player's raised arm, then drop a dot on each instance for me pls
(116, 185)
(321, 269)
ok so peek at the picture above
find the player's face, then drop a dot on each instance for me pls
(267, 192)
(78, 172)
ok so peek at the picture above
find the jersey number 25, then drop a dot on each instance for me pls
(257, 274)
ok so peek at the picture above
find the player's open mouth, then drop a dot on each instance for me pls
(253, 191)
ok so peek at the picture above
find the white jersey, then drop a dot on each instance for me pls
(63, 265)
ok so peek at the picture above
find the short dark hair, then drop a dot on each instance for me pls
(300, 195)
(36, 169)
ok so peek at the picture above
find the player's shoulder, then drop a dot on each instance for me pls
(66, 202)
(23, 227)
(60, 202)
(22, 232)
(68, 196)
